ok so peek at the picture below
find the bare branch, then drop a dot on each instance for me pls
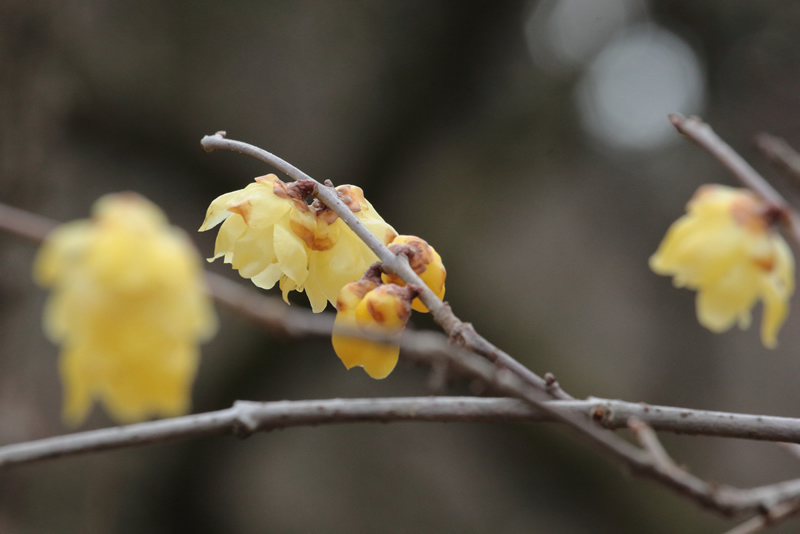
(765, 521)
(25, 224)
(463, 333)
(792, 449)
(649, 442)
(780, 153)
(244, 418)
(702, 134)
(247, 417)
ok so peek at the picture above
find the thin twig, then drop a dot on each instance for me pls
(462, 333)
(780, 153)
(765, 521)
(25, 224)
(649, 442)
(701, 133)
(792, 449)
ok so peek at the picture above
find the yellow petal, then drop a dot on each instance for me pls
(231, 230)
(287, 285)
(253, 252)
(776, 308)
(316, 296)
(340, 265)
(719, 305)
(218, 210)
(261, 206)
(291, 252)
(77, 400)
(61, 251)
(267, 278)
(377, 359)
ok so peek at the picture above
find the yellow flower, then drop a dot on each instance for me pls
(380, 310)
(270, 234)
(425, 261)
(726, 248)
(128, 306)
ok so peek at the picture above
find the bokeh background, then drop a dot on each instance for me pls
(527, 141)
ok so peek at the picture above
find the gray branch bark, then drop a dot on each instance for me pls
(246, 417)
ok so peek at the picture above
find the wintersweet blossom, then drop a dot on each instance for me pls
(727, 249)
(425, 261)
(128, 307)
(381, 310)
(270, 234)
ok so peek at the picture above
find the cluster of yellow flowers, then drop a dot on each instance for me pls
(128, 306)
(726, 248)
(270, 234)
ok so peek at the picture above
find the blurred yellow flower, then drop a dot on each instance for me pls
(128, 306)
(270, 234)
(726, 248)
(381, 310)
(425, 261)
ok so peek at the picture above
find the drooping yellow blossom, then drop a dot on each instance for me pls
(425, 261)
(270, 234)
(128, 306)
(726, 248)
(381, 310)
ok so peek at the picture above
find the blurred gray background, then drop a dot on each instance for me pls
(527, 141)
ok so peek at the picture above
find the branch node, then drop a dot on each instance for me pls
(650, 443)
(244, 424)
(600, 414)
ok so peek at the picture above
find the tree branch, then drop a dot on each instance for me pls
(248, 417)
(702, 134)
(778, 152)
(762, 521)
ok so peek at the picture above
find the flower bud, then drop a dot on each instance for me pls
(425, 261)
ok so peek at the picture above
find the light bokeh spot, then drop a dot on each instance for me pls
(629, 89)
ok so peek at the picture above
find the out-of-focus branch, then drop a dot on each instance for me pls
(701, 133)
(24, 223)
(763, 521)
(462, 333)
(778, 152)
